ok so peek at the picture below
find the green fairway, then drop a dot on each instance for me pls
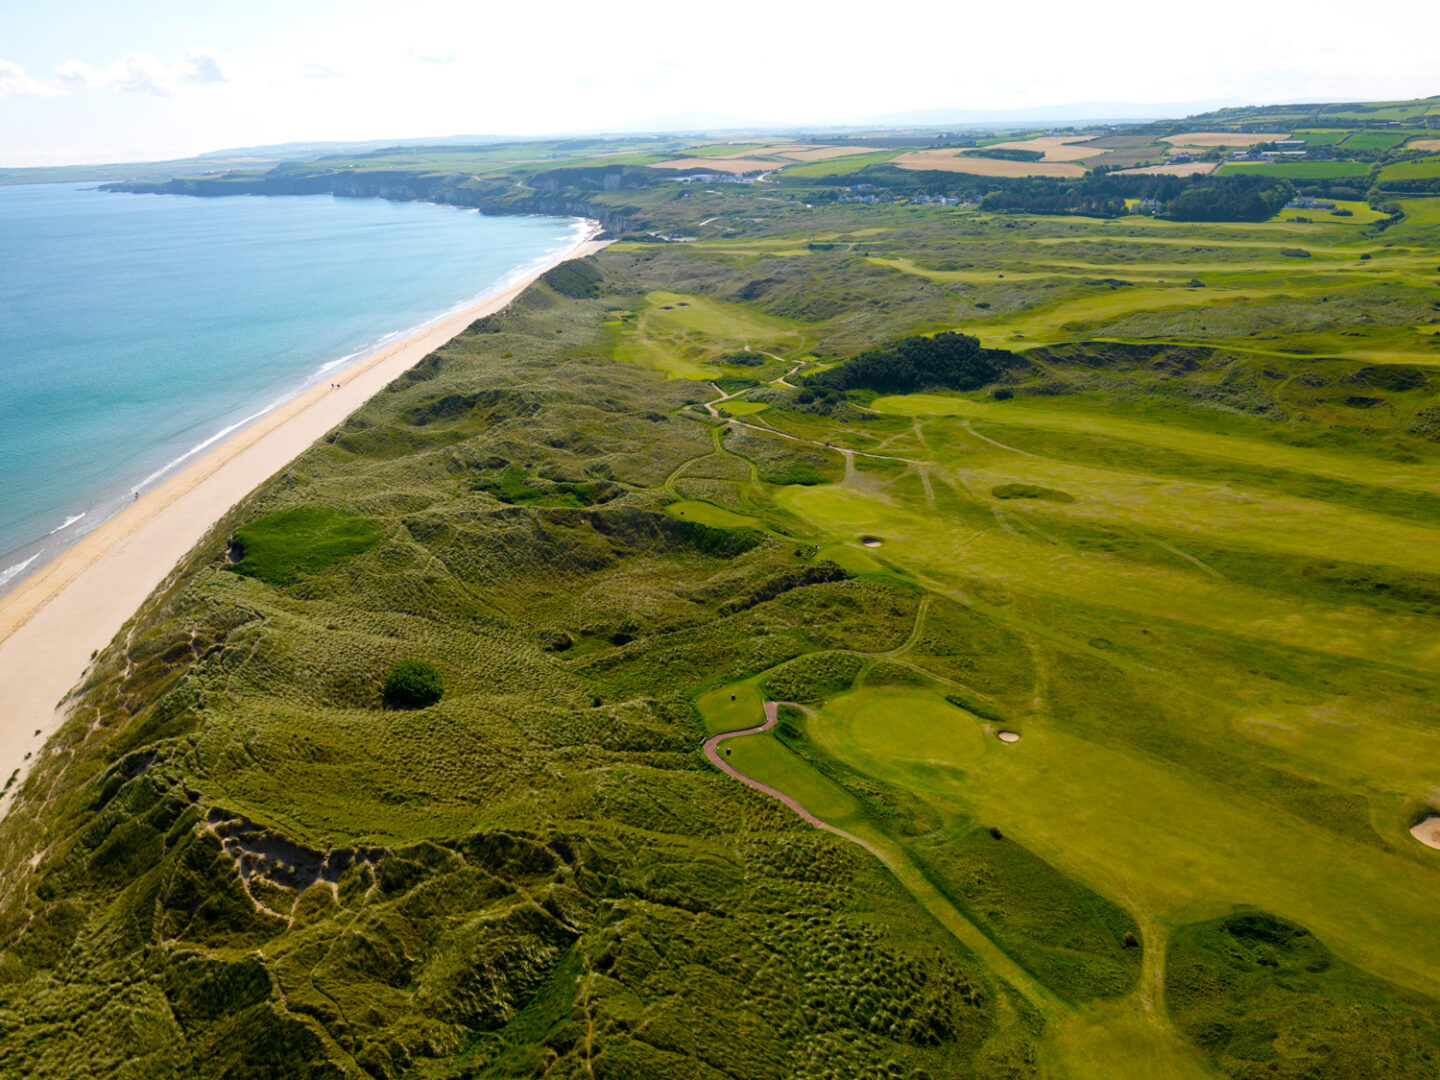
(681, 334)
(919, 405)
(768, 761)
(854, 559)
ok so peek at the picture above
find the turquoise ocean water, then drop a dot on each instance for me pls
(137, 330)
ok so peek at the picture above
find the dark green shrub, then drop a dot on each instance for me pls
(739, 359)
(1031, 491)
(413, 684)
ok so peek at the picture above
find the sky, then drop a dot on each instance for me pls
(85, 81)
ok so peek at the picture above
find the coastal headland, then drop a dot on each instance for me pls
(54, 621)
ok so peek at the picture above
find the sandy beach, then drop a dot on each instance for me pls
(53, 621)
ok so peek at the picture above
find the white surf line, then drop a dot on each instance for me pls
(11, 572)
(66, 523)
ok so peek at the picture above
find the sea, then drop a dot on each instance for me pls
(137, 331)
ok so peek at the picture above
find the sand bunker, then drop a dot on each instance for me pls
(1008, 736)
(1427, 830)
(871, 541)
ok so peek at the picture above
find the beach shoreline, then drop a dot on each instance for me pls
(52, 621)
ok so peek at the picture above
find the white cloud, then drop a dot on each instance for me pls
(15, 81)
(141, 73)
(77, 73)
(318, 71)
(205, 64)
(434, 58)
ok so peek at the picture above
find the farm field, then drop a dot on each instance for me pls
(820, 153)
(1299, 170)
(1374, 140)
(1192, 168)
(950, 161)
(1219, 138)
(1054, 147)
(1323, 138)
(1423, 169)
(840, 164)
(1128, 157)
(1111, 658)
(720, 164)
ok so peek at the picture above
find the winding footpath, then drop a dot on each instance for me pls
(772, 717)
(899, 864)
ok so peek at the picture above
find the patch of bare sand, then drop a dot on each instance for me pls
(1008, 736)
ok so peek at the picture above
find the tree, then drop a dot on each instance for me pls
(413, 684)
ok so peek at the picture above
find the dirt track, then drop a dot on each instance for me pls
(772, 717)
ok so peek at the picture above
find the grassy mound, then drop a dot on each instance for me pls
(278, 548)
(1263, 997)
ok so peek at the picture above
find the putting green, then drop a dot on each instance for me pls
(708, 514)
(831, 505)
(912, 737)
(722, 714)
(743, 408)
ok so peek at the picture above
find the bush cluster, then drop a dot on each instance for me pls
(948, 360)
(413, 684)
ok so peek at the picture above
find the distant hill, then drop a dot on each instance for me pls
(1416, 111)
(1075, 112)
